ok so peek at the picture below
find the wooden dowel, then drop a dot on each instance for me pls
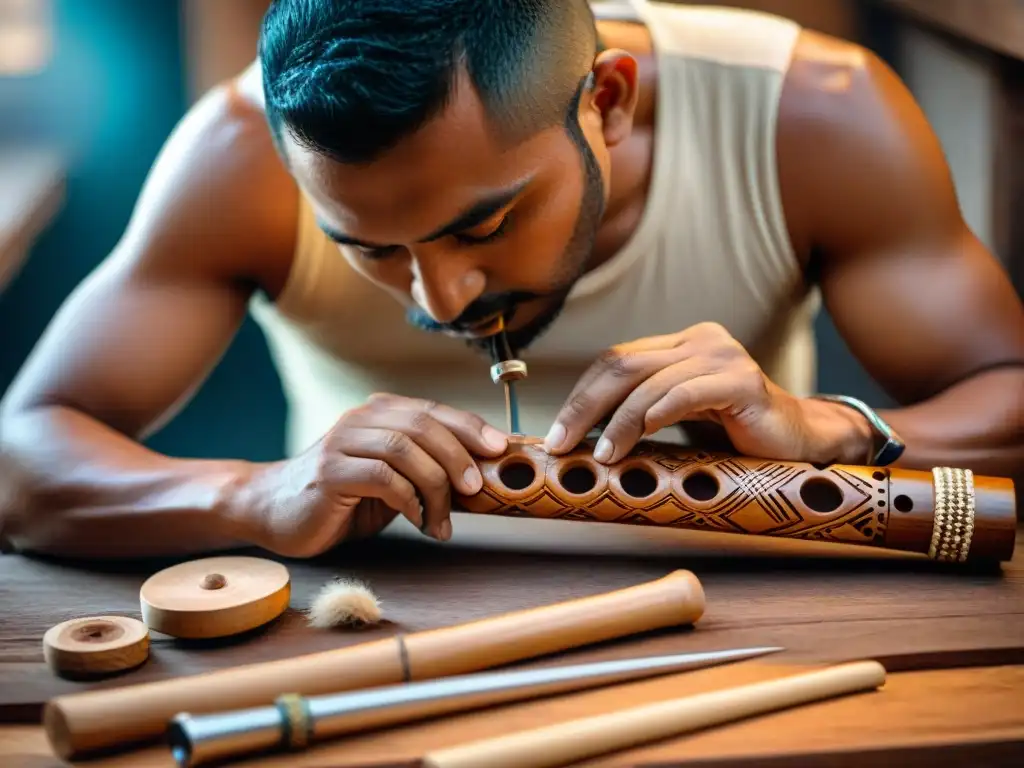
(566, 743)
(80, 723)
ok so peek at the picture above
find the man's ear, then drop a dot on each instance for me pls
(615, 93)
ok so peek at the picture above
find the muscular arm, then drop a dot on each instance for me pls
(136, 339)
(928, 311)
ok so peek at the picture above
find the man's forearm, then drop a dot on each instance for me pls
(977, 424)
(80, 489)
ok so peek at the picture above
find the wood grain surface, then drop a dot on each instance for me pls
(962, 717)
(913, 615)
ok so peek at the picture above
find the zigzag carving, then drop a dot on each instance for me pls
(746, 495)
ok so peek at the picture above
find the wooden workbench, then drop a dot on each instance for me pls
(953, 641)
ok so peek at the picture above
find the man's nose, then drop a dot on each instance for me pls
(445, 285)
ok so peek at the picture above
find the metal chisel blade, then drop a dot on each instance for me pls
(201, 738)
(511, 409)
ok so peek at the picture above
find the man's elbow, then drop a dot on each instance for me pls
(23, 483)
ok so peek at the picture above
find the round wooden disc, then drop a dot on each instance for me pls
(215, 596)
(96, 645)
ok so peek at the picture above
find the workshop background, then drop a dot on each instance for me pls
(90, 89)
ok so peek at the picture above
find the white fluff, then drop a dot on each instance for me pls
(344, 602)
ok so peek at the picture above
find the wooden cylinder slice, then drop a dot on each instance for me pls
(96, 645)
(215, 596)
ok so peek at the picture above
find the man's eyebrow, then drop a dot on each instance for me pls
(475, 214)
(478, 212)
(338, 237)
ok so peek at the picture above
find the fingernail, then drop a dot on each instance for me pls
(418, 516)
(473, 479)
(444, 530)
(555, 437)
(494, 439)
(603, 450)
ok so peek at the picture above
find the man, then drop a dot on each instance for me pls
(650, 205)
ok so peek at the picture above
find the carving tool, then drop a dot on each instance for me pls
(572, 742)
(295, 721)
(507, 370)
(88, 721)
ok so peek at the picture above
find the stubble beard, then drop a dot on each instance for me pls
(574, 264)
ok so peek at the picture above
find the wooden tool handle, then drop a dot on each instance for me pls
(949, 514)
(567, 743)
(80, 723)
(673, 600)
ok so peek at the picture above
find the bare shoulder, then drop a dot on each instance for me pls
(915, 294)
(218, 193)
(215, 220)
(841, 90)
(857, 156)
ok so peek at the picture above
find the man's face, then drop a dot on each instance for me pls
(463, 230)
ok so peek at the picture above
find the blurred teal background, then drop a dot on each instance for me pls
(114, 90)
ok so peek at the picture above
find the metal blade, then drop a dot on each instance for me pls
(198, 739)
(511, 408)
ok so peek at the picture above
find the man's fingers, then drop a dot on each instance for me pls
(714, 392)
(437, 439)
(418, 435)
(372, 478)
(604, 386)
(471, 430)
(618, 359)
(407, 457)
(629, 422)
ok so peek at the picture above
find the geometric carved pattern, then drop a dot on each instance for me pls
(670, 486)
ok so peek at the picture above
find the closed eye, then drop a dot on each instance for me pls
(491, 236)
(462, 237)
(376, 253)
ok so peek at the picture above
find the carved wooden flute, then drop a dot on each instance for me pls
(949, 514)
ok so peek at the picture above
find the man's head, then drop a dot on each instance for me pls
(455, 149)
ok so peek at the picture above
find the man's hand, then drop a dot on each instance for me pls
(391, 456)
(702, 373)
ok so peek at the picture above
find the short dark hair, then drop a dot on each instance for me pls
(352, 78)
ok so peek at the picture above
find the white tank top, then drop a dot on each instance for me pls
(712, 245)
